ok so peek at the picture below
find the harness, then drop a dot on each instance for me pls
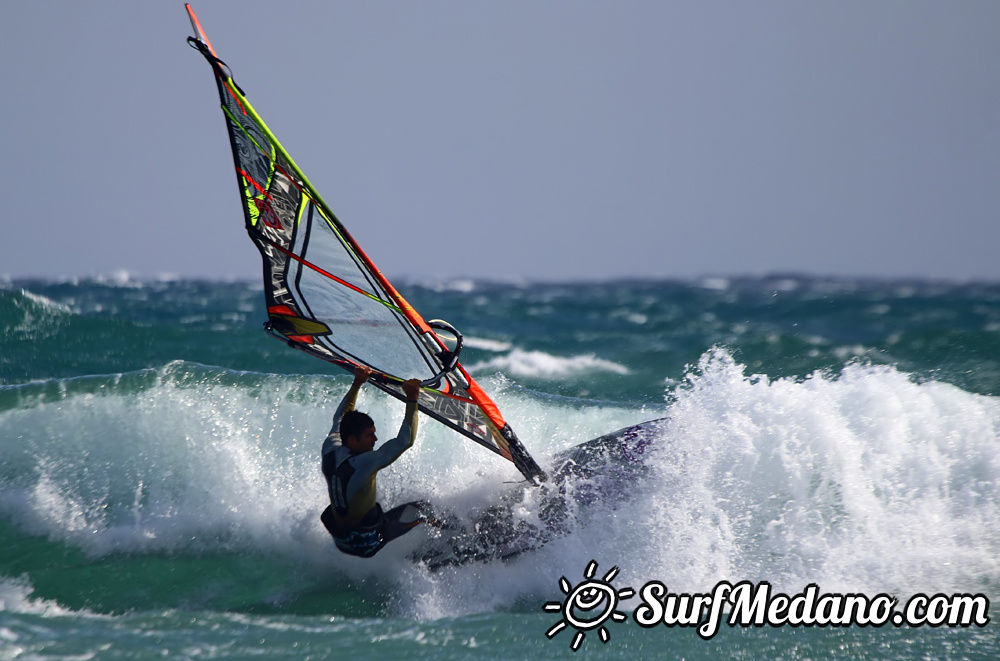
(366, 539)
(337, 480)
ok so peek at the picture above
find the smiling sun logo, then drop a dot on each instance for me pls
(588, 605)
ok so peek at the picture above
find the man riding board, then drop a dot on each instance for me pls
(350, 463)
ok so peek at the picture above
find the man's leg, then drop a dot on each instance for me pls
(328, 521)
(402, 519)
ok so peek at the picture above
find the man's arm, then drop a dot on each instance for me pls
(390, 451)
(411, 389)
(361, 374)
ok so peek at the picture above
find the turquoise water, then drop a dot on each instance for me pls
(160, 489)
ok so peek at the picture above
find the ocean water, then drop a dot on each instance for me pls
(160, 485)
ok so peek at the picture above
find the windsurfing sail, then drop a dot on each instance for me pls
(326, 297)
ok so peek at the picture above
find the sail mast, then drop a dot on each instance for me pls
(196, 26)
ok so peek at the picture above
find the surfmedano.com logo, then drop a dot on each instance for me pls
(592, 602)
(588, 605)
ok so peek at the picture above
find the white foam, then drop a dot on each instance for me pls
(188, 462)
(487, 344)
(42, 317)
(718, 284)
(118, 277)
(463, 285)
(867, 481)
(15, 597)
(46, 302)
(539, 364)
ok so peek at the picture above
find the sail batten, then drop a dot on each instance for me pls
(326, 297)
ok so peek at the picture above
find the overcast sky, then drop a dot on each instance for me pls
(534, 139)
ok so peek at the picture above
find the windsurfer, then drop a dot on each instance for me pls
(350, 463)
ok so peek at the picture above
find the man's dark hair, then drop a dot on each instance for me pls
(354, 423)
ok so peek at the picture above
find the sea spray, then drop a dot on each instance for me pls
(864, 480)
(789, 481)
